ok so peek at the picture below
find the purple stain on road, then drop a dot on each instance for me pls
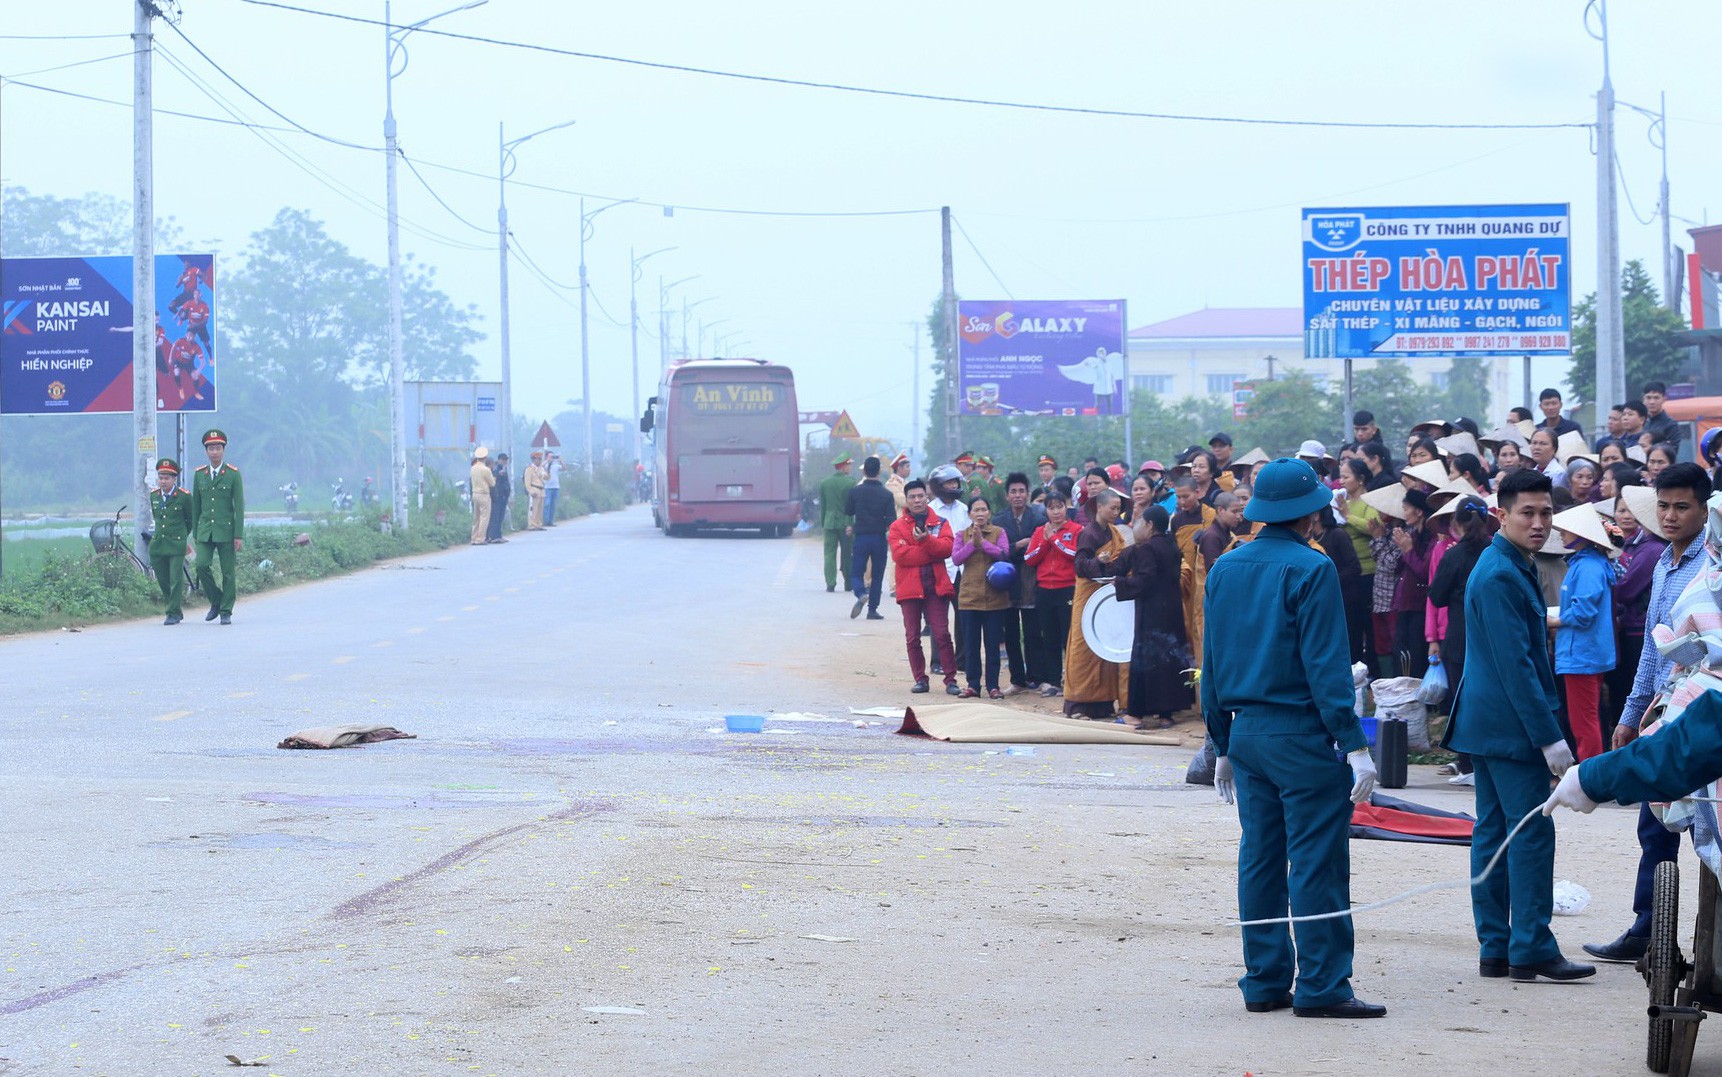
(42, 998)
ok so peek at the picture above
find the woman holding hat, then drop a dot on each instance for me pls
(1584, 625)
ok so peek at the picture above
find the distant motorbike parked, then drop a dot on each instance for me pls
(290, 496)
(342, 500)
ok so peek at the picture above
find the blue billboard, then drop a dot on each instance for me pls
(66, 334)
(1413, 281)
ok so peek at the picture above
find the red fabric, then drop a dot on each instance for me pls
(1404, 822)
(1583, 693)
(909, 556)
(937, 613)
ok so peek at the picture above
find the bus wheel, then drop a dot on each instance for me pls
(784, 530)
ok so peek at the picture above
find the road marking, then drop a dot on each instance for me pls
(416, 631)
(466, 609)
(240, 695)
(343, 660)
(384, 643)
(491, 598)
(297, 676)
(511, 590)
(450, 616)
(172, 716)
(784, 574)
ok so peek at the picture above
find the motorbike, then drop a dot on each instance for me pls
(368, 494)
(342, 500)
(290, 496)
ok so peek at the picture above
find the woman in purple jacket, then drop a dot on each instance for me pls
(1411, 594)
(1637, 564)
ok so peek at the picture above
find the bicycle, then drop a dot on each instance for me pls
(104, 536)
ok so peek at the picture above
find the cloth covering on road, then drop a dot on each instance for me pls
(1388, 818)
(344, 736)
(981, 723)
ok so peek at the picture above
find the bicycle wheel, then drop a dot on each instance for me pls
(1664, 967)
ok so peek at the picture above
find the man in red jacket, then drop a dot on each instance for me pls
(920, 541)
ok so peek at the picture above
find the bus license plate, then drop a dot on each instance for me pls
(733, 491)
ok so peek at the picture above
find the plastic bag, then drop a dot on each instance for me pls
(1434, 687)
(1570, 898)
(1397, 698)
(1201, 768)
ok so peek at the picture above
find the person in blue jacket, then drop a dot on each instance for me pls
(1276, 699)
(1504, 717)
(1584, 624)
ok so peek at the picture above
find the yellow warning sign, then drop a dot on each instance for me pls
(844, 427)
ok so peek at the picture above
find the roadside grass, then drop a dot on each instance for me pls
(58, 582)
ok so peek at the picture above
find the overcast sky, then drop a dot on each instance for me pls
(1171, 216)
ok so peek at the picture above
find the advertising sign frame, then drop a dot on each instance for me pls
(1042, 357)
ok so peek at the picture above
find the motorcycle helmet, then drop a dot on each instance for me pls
(1001, 575)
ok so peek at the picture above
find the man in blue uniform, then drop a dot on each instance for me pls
(1276, 698)
(1504, 718)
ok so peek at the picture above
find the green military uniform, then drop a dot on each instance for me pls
(219, 498)
(832, 494)
(175, 518)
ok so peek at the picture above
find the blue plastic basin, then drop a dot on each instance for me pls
(753, 723)
(1368, 729)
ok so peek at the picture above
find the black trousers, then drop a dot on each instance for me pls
(498, 510)
(1359, 630)
(1052, 610)
(1023, 646)
(1619, 682)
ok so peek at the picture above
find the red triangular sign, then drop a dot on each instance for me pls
(844, 427)
(545, 438)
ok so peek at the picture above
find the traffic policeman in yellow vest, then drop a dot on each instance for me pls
(218, 495)
(1277, 699)
(171, 506)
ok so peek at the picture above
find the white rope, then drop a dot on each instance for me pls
(1450, 884)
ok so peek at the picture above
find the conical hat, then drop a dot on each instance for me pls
(1458, 444)
(1606, 506)
(1641, 502)
(1499, 436)
(1583, 521)
(1389, 500)
(1454, 490)
(1441, 426)
(1572, 443)
(1636, 454)
(1525, 428)
(1452, 505)
(1432, 474)
(1250, 459)
(1553, 545)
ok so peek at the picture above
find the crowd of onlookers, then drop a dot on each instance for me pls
(1019, 557)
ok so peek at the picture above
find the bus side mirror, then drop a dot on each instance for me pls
(646, 423)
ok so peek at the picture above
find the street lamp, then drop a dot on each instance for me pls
(634, 340)
(394, 47)
(687, 308)
(720, 343)
(700, 340)
(505, 169)
(585, 350)
(664, 318)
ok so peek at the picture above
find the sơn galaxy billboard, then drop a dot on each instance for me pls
(1041, 357)
(67, 340)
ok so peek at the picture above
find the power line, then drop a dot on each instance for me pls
(75, 63)
(914, 96)
(981, 256)
(61, 37)
(408, 161)
(1624, 189)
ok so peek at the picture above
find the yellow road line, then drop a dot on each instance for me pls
(172, 716)
(343, 660)
(449, 616)
(297, 676)
(240, 695)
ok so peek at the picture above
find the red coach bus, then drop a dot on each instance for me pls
(727, 443)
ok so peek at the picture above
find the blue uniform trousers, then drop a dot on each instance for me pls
(1513, 905)
(1295, 808)
(867, 549)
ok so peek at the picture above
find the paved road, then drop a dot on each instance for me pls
(569, 836)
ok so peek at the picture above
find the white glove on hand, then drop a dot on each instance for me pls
(1223, 782)
(1363, 774)
(1569, 794)
(1558, 756)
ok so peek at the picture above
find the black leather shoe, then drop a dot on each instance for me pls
(1351, 1007)
(1270, 1005)
(1556, 968)
(855, 610)
(952, 690)
(1626, 949)
(830, 587)
(1492, 968)
(227, 618)
(920, 686)
(214, 612)
(171, 620)
(875, 615)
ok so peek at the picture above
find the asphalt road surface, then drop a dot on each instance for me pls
(573, 870)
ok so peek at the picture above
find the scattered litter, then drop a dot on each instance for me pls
(860, 724)
(879, 712)
(802, 716)
(69, 628)
(233, 1060)
(745, 942)
(626, 1011)
(611, 722)
(159, 800)
(666, 704)
(828, 938)
(1021, 749)
(1570, 898)
(744, 723)
(1100, 774)
(512, 980)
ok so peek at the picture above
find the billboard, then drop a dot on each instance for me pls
(1411, 281)
(66, 334)
(1040, 357)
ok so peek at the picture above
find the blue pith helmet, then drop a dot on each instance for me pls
(1002, 575)
(1710, 445)
(1286, 490)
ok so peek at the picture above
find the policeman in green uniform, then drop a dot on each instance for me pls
(1277, 699)
(832, 494)
(170, 504)
(219, 498)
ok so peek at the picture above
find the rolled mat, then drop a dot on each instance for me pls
(983, 723)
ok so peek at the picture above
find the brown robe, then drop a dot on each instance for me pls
(1093, 687)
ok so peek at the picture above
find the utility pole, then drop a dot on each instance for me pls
(1669, 299)
(505, 168)
(1610, 341)
(953, 429)
(634, 339)
(143, 271)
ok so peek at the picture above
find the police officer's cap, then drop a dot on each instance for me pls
(1286, 490)
(166, 465)
(210, 436)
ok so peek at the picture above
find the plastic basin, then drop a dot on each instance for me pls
(1368, 729)
(753, 723)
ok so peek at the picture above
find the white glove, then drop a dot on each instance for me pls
(1558, 756)
(1569, 794)
(1363, 774)
(1223, 783)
